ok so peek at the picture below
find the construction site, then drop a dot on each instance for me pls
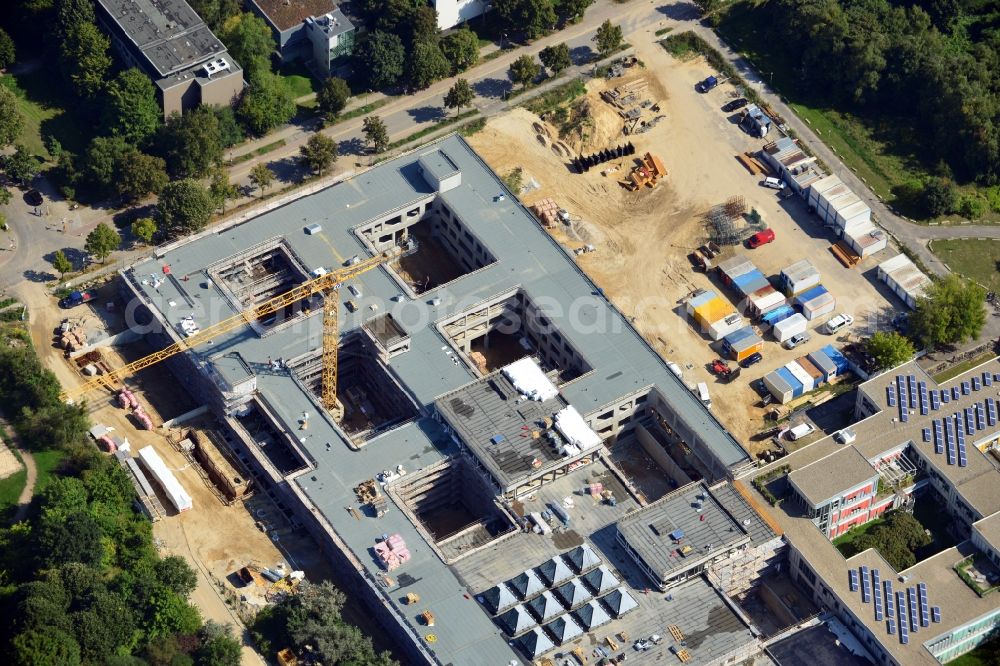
(651, 245)
(416, 386)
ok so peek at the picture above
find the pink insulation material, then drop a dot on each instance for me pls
(143, 417)
(123, 400)
(133, 402)
(107, 443)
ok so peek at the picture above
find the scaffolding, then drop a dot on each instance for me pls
(731, 224)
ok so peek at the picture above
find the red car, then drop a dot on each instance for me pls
(760, 238)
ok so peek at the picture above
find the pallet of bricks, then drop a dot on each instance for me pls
(625, 95)
(546, 211)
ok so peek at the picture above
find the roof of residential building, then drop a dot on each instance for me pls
(828, 477)
(285, 14)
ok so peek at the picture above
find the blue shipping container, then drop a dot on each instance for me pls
(838, 359)
(778, 314)
(791, 381)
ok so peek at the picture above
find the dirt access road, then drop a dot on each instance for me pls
(643, 239)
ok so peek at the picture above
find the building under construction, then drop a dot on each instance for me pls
(470, 457)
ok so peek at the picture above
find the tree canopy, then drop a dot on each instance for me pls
(427, 64)
(376, 133)
(555, 58)
(951, 311)
(190, 143)
(608, 38)
(85, 59)
(7, 51)
(461, 48)
(459, 95)
(102, 241)
(266, 104)
(11, 120)
(261, 176)
(524, 70)
(332, 96)
(889, 349)
(319, 153)
(144, 229)
(896, 539)
(380, 59)
(530, 17)
(184, 206)
(61, 262)
(131, 110)
(249, 41)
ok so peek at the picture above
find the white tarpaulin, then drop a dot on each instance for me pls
(529, 379)
(572, 426)
(171, 486)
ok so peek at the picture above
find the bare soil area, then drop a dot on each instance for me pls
(642, 239)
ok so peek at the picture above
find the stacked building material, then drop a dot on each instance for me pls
(162, 474)
(904, 278)
(546, 211)
(815, 302)
(392, 552)
(140, 414)
(73, 339)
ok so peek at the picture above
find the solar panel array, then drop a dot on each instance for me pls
(906, 610)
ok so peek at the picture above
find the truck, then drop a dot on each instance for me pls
(76, 298)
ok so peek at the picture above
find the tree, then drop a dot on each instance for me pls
(7, 52)
(889, 349)
(261, 176)
(230, 132)
(85, 59)
(249, 41)
(139, 174)
(11, 120)
(144, 229)
(423, 24)
(61, 263)
(459, 95)
(184, 206)
(22, 166)
(939, 197)
(132, 111)
(608, 38)
(461, 48)
(555, 58)
(380, 58)
(427, 65)
(218, 646)
(190, 143)
(102, 241)
(572, 10)
(176, 574)
(524, 70)
(950, 311)
(319, 152)
(5, 197)
(332, 96)
(266, 104)
(216, 12)
(376, 133)
(532, 17)
(70, 14)
(45, 647)
(221, 189)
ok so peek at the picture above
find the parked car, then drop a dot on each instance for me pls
(735, 105)
(752, 359)
(34, 197)
(760, 238)
(773, 183)
(795, 340)
(838, 322)
(707, 84)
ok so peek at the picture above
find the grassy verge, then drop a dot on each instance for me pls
(470, 128)
(360, 111)
(263, 150)
(43, 107)
(430, 129)
(558, 96)
(662, 31)
(975, 259)
(965, 366)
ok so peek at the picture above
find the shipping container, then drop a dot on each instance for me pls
(804, 377)
(165, 478)
(786, 328)
(815, 302)
(816, 373)
(843, 365)
(791, 380)
(823, 364)
(820, 186)
(778, 314)
(699, 298)
(750, 282)
(904, 278)
(836, 205)
(732, 268)
(740, 344)
(718, 329)
(866, 239)
(778, 386)
(763, 301)
(798, 277)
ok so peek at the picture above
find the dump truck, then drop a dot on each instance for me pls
(76, 298)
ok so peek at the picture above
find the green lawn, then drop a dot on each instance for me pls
(973, 258)
(10, 490)
(298, 80)
(43, 107)
(984, 655)
(845, 542)
(47, 463)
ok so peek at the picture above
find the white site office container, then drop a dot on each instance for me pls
(720, 329)
(786, 328)
(163, 476)
(820, 186)
(798, 277)
(904, 278)
(804, 377)
(866, 239)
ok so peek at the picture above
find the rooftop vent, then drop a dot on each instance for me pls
(216, 66)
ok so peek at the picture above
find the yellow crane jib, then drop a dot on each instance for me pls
(321, 284)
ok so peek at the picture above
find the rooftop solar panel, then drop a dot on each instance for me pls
(927, 434)
(980, 416)
(954, 393)
(924, 610)
(963, 460)
(911, 610)
(890, 396)
(987, 379)
(970, 421)
(890, 626)
(996, 376)
(936, 610)
(890, 605)
(853, 579)
(966, 389)
(976, 384)
(949, 435)
(935, 400)
(904, 414)
(945, 397)
(912, 392)
(991, 411)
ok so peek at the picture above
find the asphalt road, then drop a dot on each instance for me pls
(26, 250)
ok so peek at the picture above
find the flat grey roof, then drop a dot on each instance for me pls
(741, 511)
(489, 409)
(819, 645)
(707, 528)
(232, 368)
(989, 527)
(167, 32)
(527, 258)
(829, 476)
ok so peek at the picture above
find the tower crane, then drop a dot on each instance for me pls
(331, 330)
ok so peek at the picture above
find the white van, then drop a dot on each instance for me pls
(838, 322)
(773, 183)
(706, 399)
